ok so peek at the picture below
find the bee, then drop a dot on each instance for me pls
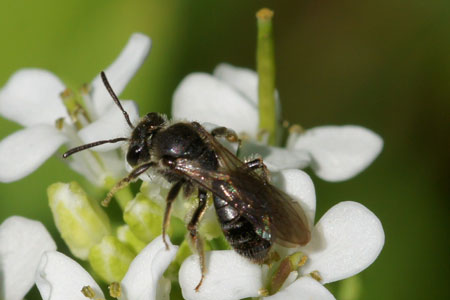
(253, 213)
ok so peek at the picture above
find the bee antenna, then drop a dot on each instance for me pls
(116, 100)
(90, 145)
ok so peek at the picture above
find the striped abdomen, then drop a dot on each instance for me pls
(240, 233)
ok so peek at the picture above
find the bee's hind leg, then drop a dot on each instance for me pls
(195, 238)
(258, 164)
(173, 193)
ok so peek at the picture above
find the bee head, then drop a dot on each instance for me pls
(140, 142)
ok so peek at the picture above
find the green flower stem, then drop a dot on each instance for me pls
(265, 61)
(350, 288)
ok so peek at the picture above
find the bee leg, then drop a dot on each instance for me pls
(173, 193)
(195, 238)
(229, 134)
(125, 181)
(258, 164)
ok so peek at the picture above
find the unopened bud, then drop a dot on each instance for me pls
(111, 258)
(144, 217)
(81, 221)
(125, 235)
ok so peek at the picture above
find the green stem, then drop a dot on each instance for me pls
(265, 61)
(350, 288)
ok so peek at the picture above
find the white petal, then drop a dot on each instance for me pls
(120, 72)
(340, 152)
(345, 241)
(245, 81)
(31, 96)
(60, 277)
(22, 243)
(299, 185)
(276, 158)
(229, 276)
(111, 124)
(25, 150)
(305, 288)
(141, 280)
(202, 97)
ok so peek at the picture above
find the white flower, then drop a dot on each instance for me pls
(32, 98)
(229, 98)
(345, 241)
(22, 243)
(60, 277)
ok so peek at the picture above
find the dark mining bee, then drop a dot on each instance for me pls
(253, 213)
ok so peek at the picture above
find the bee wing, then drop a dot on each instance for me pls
(254, 198)
(289, 221)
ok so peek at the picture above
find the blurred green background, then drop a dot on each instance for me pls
(381, 64)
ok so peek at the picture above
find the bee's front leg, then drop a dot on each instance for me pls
(195, 238)
(173, 193)
(139, 170)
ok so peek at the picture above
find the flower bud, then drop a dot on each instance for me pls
(111, 258)
(81, 221)
(144, 217)
(125, 235)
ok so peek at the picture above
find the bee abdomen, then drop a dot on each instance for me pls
(240, 233)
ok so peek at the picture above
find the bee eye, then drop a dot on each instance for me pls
(137, 154)
(132, 156)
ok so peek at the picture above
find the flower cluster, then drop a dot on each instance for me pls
(54, 115)
(345, 241)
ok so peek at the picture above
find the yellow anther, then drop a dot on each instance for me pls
(114, 290)
(315, 275)
(66, 93)
(88, 292)
(59, 123)
(85, 89)
(302, 261)
(296, 129)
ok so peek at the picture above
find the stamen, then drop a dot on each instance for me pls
(315, 275)
(115, 290)
(302, 261)
(59, 123)
(296, 129)
(89, 292)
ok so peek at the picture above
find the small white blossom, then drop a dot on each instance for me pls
(22, 243)
(143, 279)
(345, 241)
(229, 98)
(32, 98)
